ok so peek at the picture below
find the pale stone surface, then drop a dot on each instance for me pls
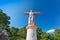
(3, 35)
(31, 34)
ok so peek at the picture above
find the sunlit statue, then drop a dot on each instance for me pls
(31, 28)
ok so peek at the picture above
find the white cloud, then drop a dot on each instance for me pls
(51, 31)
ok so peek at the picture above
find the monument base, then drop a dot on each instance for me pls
(31, 34)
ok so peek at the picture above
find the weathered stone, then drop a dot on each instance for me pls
(3, 35)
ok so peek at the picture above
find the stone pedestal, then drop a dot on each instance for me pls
(31, 34)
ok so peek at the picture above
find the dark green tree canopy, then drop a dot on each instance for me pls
(4, 20)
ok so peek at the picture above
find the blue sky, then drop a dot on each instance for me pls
(48, 19)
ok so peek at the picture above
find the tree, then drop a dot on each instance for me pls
(13, 33)
(50, 36)
(57, 34)
(22, 33)
(39, 32)
(4, 20)
(44, 36)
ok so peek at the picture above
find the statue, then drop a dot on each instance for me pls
(31, 28)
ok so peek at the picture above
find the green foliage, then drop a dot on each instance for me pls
(57, 34)
(4, 20)
(20, 34)
(13, 33)
(39, 32)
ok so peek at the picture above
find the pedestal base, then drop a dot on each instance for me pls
(31, 34)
